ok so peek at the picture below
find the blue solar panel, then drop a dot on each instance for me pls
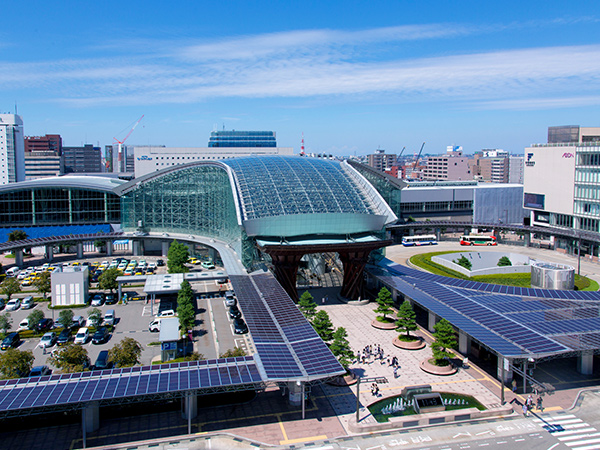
(81, 387)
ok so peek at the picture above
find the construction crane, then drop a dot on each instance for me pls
(417, 160)
(121, 159)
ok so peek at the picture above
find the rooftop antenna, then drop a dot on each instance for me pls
(302, 146)
(223, 126)
(16, 110)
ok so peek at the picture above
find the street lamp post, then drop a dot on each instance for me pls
(381, 380)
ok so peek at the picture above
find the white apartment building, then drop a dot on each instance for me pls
(12, 149)
(149, 159)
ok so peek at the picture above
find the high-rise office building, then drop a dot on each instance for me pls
(242, 139)
(12, 149)
(43, 157)
(86, 159)
(573, 134)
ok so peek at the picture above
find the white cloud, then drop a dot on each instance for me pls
(316, 63)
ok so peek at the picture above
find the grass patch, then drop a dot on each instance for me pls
(424, 261)
(585, 284)
(384, 319)
(375, 408)
(405, 338)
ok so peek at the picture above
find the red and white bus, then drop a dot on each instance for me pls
(478, 240)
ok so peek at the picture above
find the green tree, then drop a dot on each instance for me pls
(43, 283)
(16, 363)
(444, 339)
(233, 352)
(186, 312)
(177, 257)
(5, 322)
(340, 347)
(65, 318)
(504, 261)
(17, 235)
(95, 316)
(34, 318)
(108, 279)
(9, 287)
(384, 302)
(407, 320)
(307, 306)
(126, 353)
(323, 326)
(463, 261)
(70, 358)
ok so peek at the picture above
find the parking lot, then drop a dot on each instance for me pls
(212, 335)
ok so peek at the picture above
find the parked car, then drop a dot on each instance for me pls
(239, 326)
(82, 336)
(154, 326)
(64, 337)
(78, 322)
(44, 325)
(230, 299)
(11, 340)
(110, 299)
(234, 312)
(27, 302)
(13, 304)
(100, 336)
(165, 313)
(208, 265)
(160, 262)
(102, 361)
(23, 325)
(48, 340)
(98, 300)
(40, 371)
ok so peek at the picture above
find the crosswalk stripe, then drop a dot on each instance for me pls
(566, 422)
(570, 438)
(586, 442)
(571, 426)
(567, 432)
(587, 447)
(562, 416)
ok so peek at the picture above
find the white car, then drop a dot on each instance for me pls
(165, 313)
(82, 336)
(14, 304)
(22, 275)
(23, 325)
(48, 340)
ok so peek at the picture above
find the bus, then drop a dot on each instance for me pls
(426, 239)
(478, 240)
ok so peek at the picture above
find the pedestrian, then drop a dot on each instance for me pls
(529, 402)
(514, 385)
(323, 300)
(539, 404)
(525, 409)
(395, 372)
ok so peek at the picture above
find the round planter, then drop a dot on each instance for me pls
(383, 325)
(417, 344)
(426, 366)
(344, 380)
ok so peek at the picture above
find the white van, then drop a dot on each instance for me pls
(110, 317)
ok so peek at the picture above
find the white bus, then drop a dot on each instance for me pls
(478, 240)
(426, 239)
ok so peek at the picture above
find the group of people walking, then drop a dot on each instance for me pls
(372, 353)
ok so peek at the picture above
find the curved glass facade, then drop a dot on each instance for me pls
(282, 186)
(194, 200)
(58, 206)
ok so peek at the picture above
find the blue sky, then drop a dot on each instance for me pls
(352, 76)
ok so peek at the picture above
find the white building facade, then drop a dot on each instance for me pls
(148, 159)
(12, 149)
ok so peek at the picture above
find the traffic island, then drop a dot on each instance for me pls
(446, 370)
